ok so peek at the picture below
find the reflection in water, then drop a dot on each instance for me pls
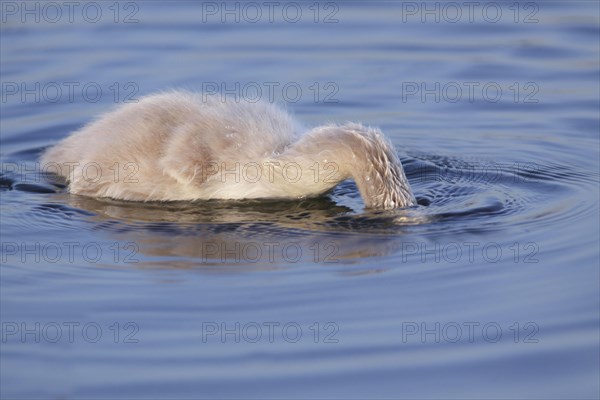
(263, 234)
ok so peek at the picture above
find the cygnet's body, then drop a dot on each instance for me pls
(186, 146)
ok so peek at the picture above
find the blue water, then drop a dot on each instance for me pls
(489, 288)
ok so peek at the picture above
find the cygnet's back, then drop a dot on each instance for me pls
(168, 136)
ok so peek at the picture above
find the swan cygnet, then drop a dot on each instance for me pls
(191, 146)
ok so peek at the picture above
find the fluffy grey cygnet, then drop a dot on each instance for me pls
(189, 146)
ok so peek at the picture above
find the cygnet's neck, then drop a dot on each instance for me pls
(357, 152)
